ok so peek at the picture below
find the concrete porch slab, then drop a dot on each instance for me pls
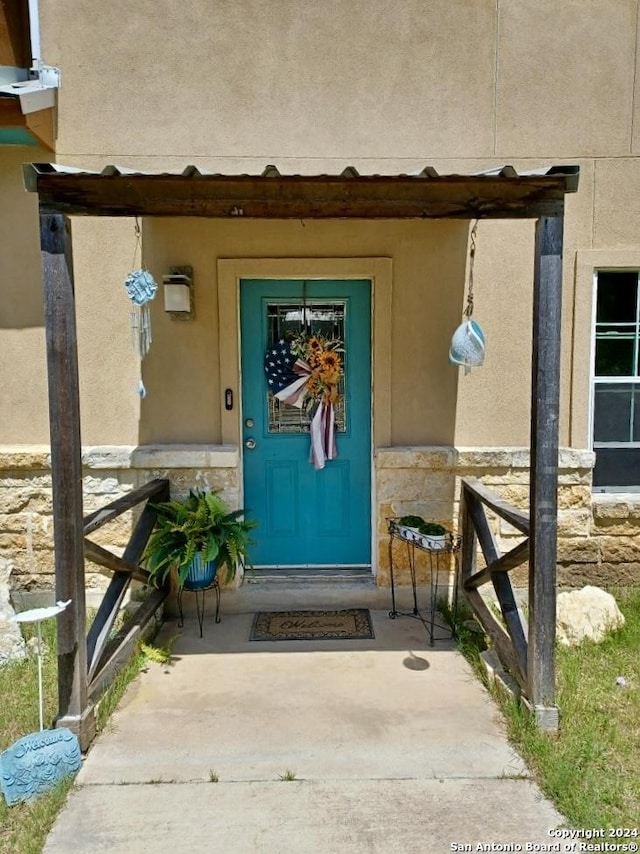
(394, 744)
(304, 817)
(392, 707)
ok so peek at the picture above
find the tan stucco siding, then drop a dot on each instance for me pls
(365, 78)
(23, 382)
(109, 371)
(284, 78)
(310, 87)
(102, 257)
(428, 267)
(182, 371)
(565, 77)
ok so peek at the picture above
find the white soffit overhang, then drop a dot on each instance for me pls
(31, 94)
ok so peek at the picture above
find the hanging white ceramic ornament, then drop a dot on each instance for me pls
(468, 341)
(467, 346)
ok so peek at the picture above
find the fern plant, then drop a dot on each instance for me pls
(202, 523)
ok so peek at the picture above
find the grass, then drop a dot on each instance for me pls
(112, 696)
(288, 776)
(24, 827)
(590, 769)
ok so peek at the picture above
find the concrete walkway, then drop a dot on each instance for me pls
(394, 745)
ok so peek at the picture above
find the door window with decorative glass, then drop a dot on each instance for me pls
(324, 322)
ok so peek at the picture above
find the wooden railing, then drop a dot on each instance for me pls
(511, 644)
(105, 653)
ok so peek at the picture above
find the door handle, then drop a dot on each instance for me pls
(250, 443)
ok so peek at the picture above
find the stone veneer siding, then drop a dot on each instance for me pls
(598, 535)
(598, 540)
(26, 525)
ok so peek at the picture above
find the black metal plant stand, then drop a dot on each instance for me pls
(436, 555)
(199, 593)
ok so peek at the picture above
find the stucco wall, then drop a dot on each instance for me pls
(428, 258)
(23, 386)
(363, 78)
(312, 87)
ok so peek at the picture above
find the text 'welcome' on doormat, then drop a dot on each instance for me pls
(350, 624)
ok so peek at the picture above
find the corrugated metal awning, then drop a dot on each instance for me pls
(498, 193)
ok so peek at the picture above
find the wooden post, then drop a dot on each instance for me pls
(545, 405)
(74, 709)
(469, 539)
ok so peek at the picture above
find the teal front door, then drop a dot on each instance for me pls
(307, 517)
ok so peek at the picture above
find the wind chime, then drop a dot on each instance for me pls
(468, 341)
(141, 289)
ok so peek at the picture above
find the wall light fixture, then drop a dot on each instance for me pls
(178, 293)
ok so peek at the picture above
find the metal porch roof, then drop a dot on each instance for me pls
(499, 193)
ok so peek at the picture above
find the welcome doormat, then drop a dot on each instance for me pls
(350, 624)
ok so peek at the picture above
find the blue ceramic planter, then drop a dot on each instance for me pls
(201, 576)
(201, 573)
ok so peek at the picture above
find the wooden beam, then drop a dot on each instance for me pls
(158, 489)
(75, 711)
(505, 563)
(300, 197)
(110, 605)
(501, 640)
(120, 649)
(103, 557)
(469, 539)
(545, 404)
(518, 518)
(501, 584)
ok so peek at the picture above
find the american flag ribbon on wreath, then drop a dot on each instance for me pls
(287, 379)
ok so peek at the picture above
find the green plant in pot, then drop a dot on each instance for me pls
(430, 529)
(197, 536)
(429, 534)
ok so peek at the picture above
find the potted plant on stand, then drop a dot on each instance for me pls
(429, 535)
(197, 537)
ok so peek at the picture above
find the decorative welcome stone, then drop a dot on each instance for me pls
(37, 762)
(590, 613)
(12, 645)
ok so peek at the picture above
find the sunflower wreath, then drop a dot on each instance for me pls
(305, 371)
(325, 363)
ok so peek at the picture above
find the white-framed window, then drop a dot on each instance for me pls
(616, 381)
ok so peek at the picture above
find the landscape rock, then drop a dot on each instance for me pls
(590, 613)
(12, 644)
